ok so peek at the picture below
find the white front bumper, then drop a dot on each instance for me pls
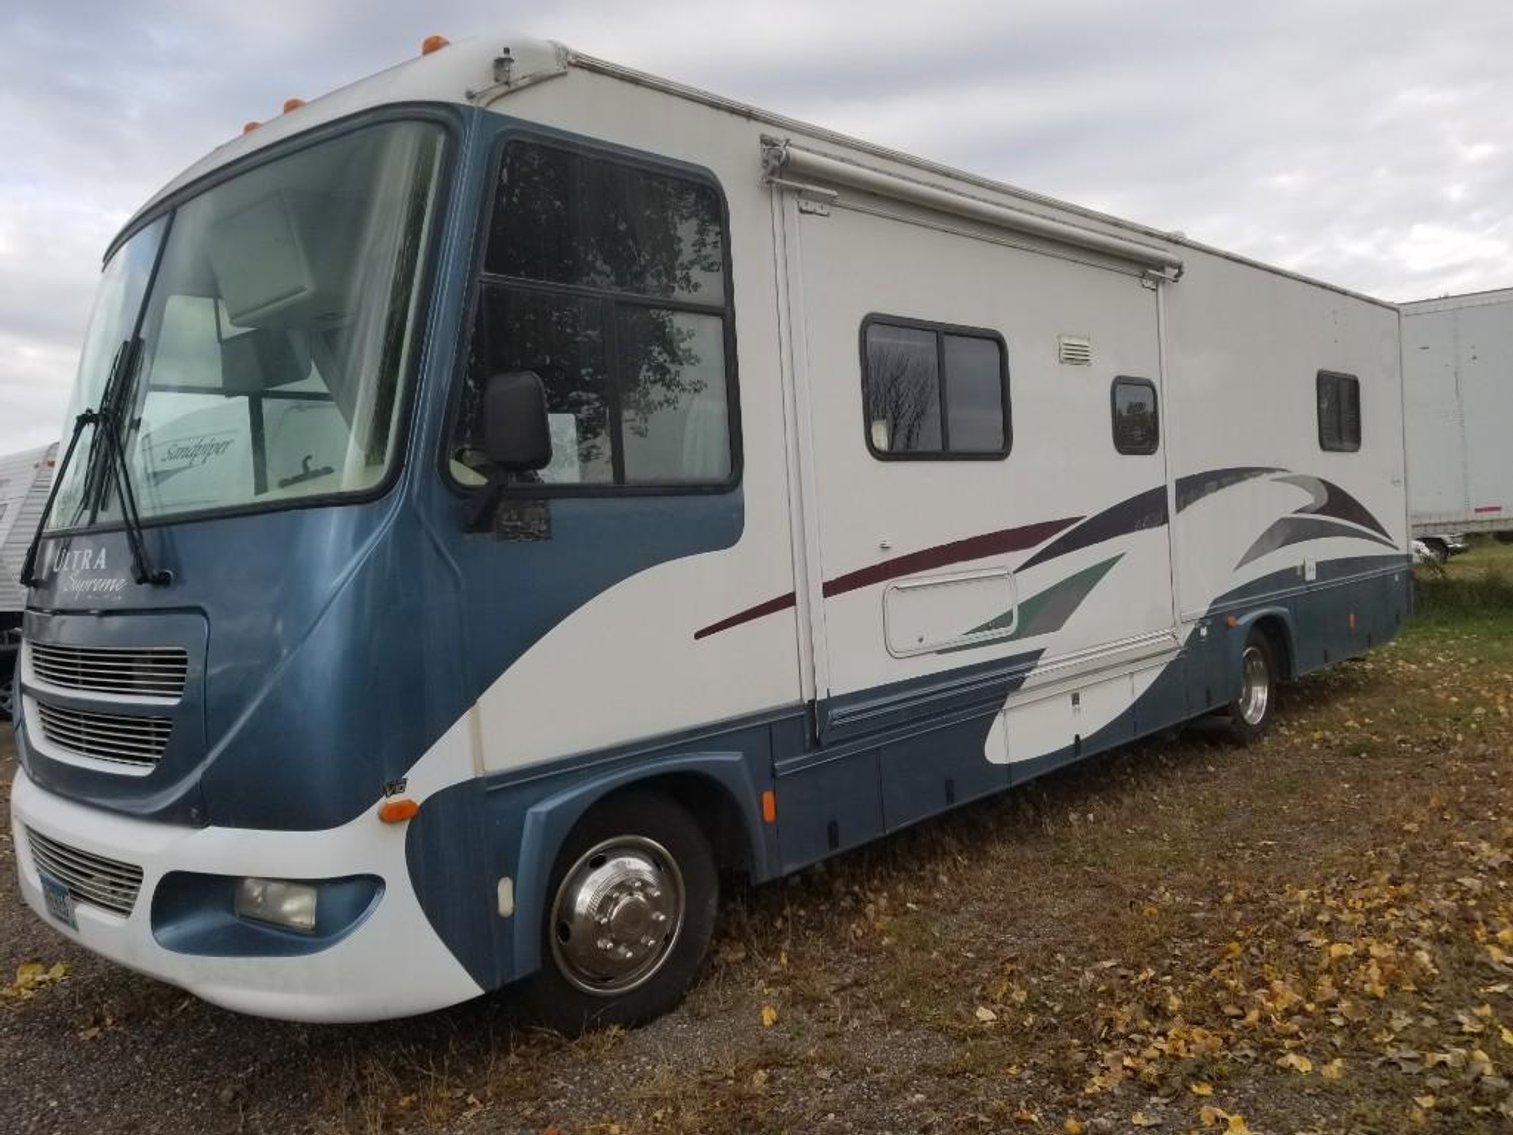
(392, 965)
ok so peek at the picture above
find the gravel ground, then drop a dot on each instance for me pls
(936, 982)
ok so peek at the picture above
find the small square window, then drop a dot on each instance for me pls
(1339, 411)
(932, 391)
(1137, 429)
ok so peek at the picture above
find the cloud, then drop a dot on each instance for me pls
(1363, 142)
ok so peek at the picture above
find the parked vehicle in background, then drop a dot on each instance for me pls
(24, 481)
(543, 490)
(1458, 392)
(1444, 545)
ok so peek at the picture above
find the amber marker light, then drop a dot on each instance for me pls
(1231, 621)
(433, 43)
(398, 811)
(293, 104)
(249, 127)
(769, 806)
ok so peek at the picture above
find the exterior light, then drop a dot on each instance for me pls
(277, 902)
(433, 43)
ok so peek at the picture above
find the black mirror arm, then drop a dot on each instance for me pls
(479, 508)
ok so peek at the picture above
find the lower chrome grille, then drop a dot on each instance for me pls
(93, 879)
(136, 741)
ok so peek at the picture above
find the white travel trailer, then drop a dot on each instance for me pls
(693, 491)
(24, 480)
(1458, 389)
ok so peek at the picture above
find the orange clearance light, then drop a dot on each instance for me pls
(769, 806)
(293, 104)
(399, 810)
(249, 127)
(1352, 620)
(433, 43)
(1231, 621)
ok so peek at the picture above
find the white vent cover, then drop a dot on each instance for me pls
(1075, 350)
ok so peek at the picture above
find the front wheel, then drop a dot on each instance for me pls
(1251, 712)
(630, 914)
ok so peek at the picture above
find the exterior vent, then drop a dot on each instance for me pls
(135, 741)
(93, 879)
(155, 671)
(1075, 350)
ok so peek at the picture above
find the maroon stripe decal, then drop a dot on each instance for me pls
(771, 607)
(958, 551)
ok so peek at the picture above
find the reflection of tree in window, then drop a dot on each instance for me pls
(903, 388)
(1135, 425)
(573, 233)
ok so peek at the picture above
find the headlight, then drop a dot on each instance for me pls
(277, 902)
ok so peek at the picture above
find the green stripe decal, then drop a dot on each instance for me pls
(1046, 611)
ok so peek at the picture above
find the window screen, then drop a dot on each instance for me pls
(1137, 429)
(933, 391)
(1339, 411)
(608, 280)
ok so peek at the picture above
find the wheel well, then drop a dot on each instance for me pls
(1280, 642)
(709, 805)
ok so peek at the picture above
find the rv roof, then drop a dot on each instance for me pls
(471, 72)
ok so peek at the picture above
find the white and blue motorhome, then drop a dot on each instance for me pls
(514, 492)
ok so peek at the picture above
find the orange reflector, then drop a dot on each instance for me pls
(398, 811)
(433, 43)
(1231, 621)
(1352, 620)
(293, 104)
(769, 806)
(249, 127)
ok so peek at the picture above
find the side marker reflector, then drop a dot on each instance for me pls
(433, 43)
(769, 807)
(398, 811)
(1231, 621)
(293, 104)
(249, 127)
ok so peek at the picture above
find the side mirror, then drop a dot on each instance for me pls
(516, 435)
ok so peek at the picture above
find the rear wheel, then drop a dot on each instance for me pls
(630, 913)
(1251, 712)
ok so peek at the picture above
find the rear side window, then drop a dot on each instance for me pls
(1339, 411)
(933, 391)
(608, 279)
(1137, 428)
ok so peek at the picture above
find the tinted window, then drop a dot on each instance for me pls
(932, 391)
(1136, 426)
(1339, 398)
(635, 359)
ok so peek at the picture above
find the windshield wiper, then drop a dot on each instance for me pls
(114, 458)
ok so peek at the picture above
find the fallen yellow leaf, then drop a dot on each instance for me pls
(1333, 1070)
(1236, 1126)
(1425, 1102)
(1201, 1089)
(1140, 1119)
(1297, 1063)
(1211, 1116)
(769, 1016)
(1072, 1127)
(985, 1015)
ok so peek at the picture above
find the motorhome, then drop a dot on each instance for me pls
(1458, 391)
(25, 478)
(510, 495)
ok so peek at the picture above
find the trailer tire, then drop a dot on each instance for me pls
(630, 912)
(1251, 712)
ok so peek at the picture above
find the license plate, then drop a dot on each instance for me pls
(60, 904)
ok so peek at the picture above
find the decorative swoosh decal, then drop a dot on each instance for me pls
(1331, 500)
(942, 555)
(1139, 512)
(1297, 529)
(1195, 486)
(1046, 611)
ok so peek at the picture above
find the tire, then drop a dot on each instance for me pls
(641, 862)
(1251, 713)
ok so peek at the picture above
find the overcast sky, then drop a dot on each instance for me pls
(1365, 143)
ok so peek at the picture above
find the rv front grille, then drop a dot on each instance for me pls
(90, 878)
(156, 670)
(136, 741)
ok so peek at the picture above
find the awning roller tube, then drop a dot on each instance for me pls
(791, 161)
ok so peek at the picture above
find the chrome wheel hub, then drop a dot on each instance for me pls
(617, 915)
(1255, 685)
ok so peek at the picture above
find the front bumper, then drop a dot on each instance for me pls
(392, 964)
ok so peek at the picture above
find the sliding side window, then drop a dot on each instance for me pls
(933, 391)
(609, 280)
(1339, 411)
(1136, 427)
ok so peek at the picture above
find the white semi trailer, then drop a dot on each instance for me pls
(1458, 389)
(24, 480)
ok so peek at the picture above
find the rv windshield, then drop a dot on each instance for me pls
(274, 333)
